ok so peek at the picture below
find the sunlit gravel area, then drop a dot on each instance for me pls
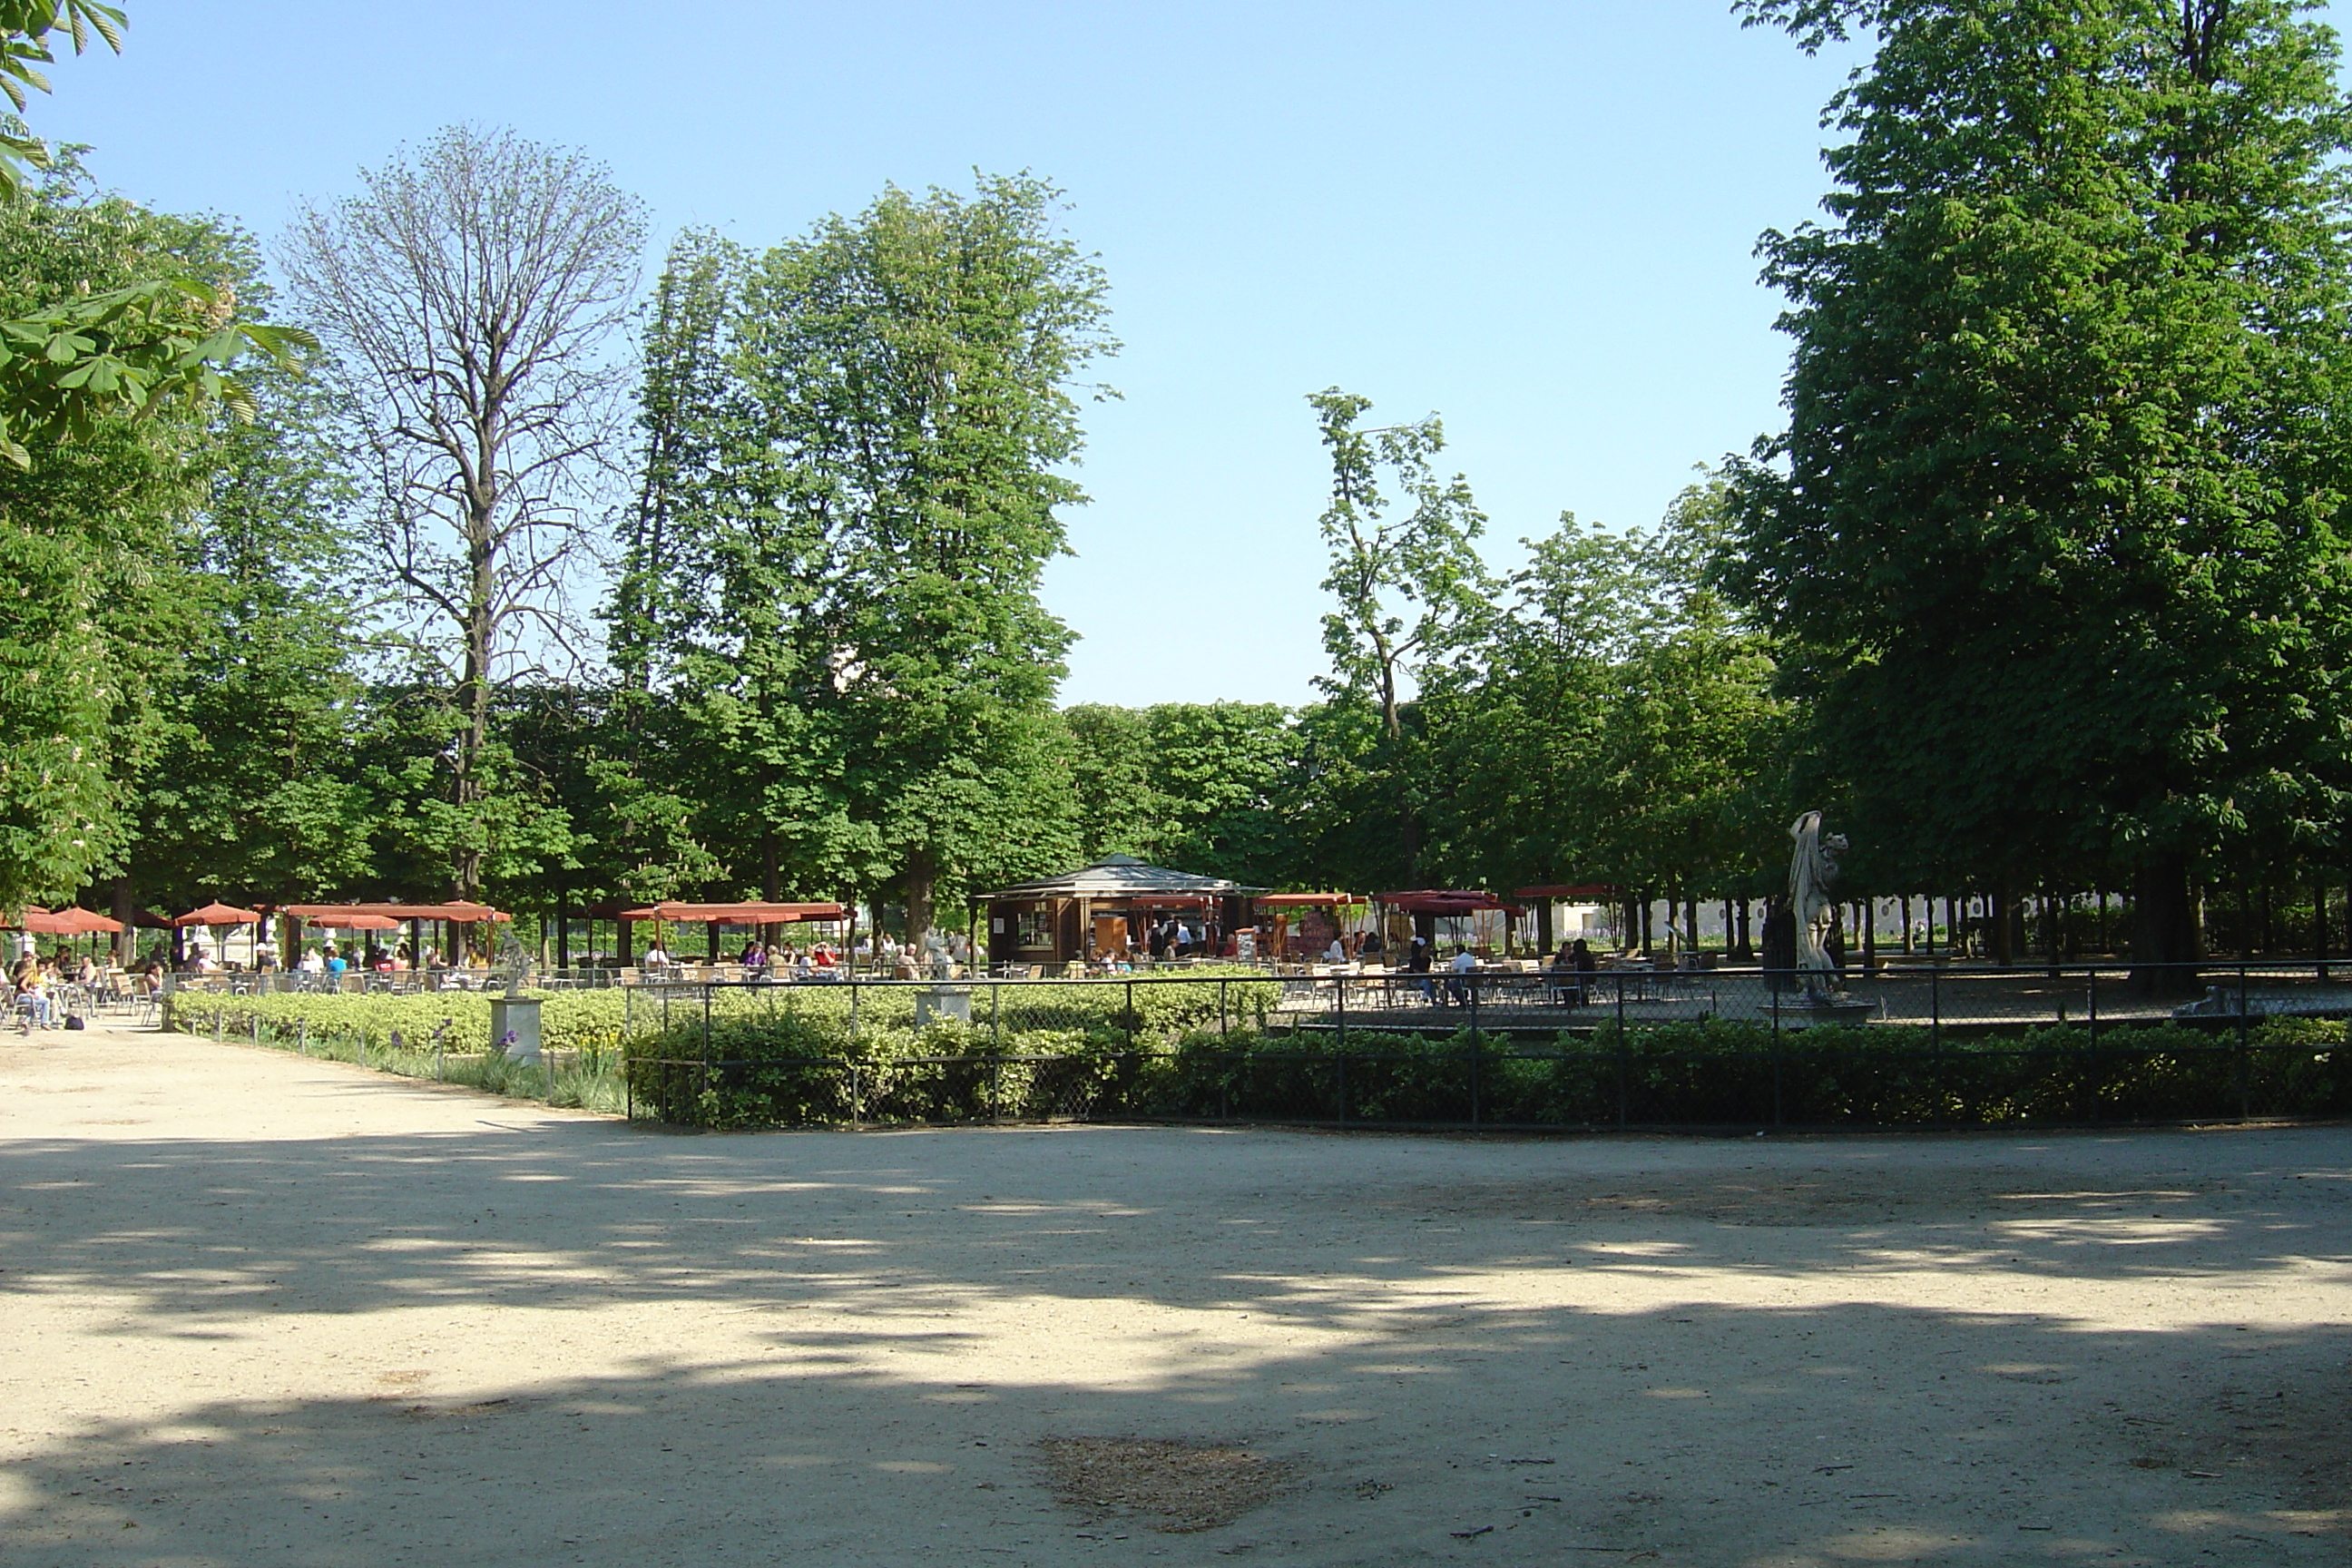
(257, 1310)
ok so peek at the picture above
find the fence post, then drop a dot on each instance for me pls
(1343, 1088)
(1935, 1033)
(1340, 989)
(2244, 1088)
(1776, 1120)
(1223, 1028)
(1620, 1050)
(1477, 1051)
(706, 1040)
(856, 1102)
(256, 1028)
(853, 1020)
(628, 1009)
(996, 1012)
(1130, 1014)
(2092, 1009)
(301, 1036)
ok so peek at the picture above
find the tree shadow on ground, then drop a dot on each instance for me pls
(580, 1344)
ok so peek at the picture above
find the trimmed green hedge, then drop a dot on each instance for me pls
(585, 1021)
(809, 1071)
(804, 1054)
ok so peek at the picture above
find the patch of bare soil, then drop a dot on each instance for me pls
(2274, 1416)
(1188, 1486)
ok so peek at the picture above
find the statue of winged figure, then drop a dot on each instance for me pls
(1811, 869)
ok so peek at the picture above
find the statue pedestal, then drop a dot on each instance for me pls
(519, 1017)
(1797, 1013)
(942, 1003)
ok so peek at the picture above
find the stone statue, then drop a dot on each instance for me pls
(935, 949)
(513, 960)
(1811, 869)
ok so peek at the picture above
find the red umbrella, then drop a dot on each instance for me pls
(42, 924)
(218, 915)
(84, 922)
(354, 922)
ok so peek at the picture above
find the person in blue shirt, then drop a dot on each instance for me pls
(336, 963)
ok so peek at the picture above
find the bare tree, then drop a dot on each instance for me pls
(470, 295)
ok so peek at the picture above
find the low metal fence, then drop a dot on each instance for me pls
(1621, 1048)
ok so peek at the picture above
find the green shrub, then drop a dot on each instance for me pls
(815, 1054)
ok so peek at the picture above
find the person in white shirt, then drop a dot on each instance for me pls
(1337, 952)
(1464, 963)
(655, 958)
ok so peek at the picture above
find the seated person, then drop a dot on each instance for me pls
(1458, 988)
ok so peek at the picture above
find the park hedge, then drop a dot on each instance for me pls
(805, 1055)
(808, 1070)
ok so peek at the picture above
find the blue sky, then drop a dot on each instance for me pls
(1535, 219)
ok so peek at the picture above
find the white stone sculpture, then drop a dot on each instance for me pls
(1811, 869)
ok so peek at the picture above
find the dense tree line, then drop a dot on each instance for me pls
(2040, 592)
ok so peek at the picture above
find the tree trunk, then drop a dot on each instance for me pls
(2165, 946)
(1747, 953)
(126, 910)
(562, 931)
(1869, 935)
(2002, 935)
(922, 880)
(772, 888)
(1646, 903)
(1690, 923)
(474, 691)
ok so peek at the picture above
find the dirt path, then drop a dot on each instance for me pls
(259, 1311)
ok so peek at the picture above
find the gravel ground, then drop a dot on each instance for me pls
(256, 1309)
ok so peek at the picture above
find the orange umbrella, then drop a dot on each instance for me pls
(85, 922)
(217, 915)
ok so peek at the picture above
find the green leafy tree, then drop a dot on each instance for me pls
(252, 792)
(1196, 785)
(858, 447)
(2054, 539)
(101, 535)
(1407, 587)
